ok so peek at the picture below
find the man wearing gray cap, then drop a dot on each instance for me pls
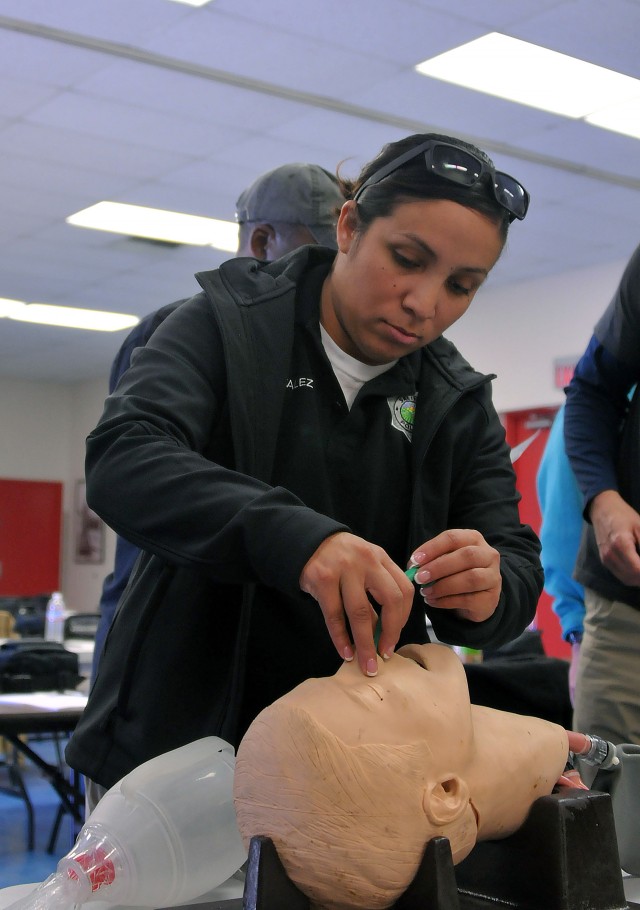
(283, 209)
(286, 208)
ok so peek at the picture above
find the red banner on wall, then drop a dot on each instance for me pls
(30, 537)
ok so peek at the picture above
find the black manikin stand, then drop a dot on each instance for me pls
(565, 857)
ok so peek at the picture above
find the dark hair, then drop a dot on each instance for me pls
(413, 181)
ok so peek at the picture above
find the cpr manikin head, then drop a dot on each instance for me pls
(351, 776)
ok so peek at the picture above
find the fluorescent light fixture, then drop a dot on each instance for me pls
(158, 224)
(65, 316)
(528, 74)
(193, 2)
(621, 118)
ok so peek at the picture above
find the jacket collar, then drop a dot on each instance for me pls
(250, 281)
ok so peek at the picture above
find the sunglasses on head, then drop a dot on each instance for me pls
(458, 165)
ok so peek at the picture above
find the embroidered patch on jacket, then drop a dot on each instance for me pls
(403, 412)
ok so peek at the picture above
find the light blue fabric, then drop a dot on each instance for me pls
(561, 508)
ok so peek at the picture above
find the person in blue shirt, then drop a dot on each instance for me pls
(602, 436)
(561, 509)
(283, 209)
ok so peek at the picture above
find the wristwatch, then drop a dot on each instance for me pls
(574, 638)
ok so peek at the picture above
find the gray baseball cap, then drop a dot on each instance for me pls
(296, 194)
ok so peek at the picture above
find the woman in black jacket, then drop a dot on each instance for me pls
(286, 443)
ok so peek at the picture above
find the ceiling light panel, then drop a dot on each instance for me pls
(620, 118)
(522, 72)
(65, 317)
(158, 224)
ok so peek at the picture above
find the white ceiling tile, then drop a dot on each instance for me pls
(451, 109)
(401, 32)
(194, 201)
(494, 14)
(203, 177)
(130, 123)
(30, 59)
(81, 120)
(115, 20)
(262, 153)
(33, 210)
(617, 200)
(21, 97)
(247, 48)
(583, 144)
(60, 260)
(27, 283)
(97, 153)
(145, 290)
(570, 28)
(35, 174)
(35, 352)
(343, 137)
(165, 90)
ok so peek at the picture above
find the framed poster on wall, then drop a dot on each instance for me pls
(89, 534)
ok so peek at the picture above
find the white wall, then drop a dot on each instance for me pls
(82, 584)
(516, 331)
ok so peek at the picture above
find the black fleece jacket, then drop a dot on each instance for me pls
(180, 464)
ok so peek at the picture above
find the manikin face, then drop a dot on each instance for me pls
(350, 776)
(413, 694)
(409, 277)
(421, 696)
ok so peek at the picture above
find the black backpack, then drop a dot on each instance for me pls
(36, 665)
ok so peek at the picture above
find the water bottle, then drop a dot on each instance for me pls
(54, 620)
(162, 836)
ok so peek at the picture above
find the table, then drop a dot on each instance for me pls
(226, 896)
(44, 712)
(631, 889)
(83, 647)
(229, 894)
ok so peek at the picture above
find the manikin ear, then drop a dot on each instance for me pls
(347, 224)
(261, 236)
(445, 800)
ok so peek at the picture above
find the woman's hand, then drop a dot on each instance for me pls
(340, 575)
(459, 571)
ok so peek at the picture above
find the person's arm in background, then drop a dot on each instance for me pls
(597, 401)
(126, 553)
(561, 509)
(595, 409)
(112, 590)
(597, 396)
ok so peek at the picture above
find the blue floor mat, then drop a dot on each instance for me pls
(17, 864)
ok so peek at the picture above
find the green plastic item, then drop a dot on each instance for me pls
(411, 572)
